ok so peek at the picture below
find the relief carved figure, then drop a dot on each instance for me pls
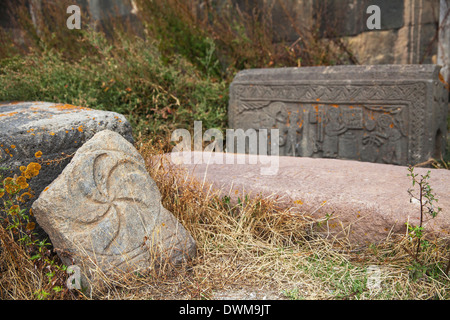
(293, 136)
(384, 135)
(393, 130)
(289, 126)
(333, 127)
(316, 118)
(372, 133)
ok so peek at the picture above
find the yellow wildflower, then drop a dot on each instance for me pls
(22, 197)
(14, 210)
(31, 226)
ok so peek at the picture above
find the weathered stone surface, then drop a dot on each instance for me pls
(392, 114)
(335, 14)
(55, 130)
(407, 34)
(105, 209)
(369, 199)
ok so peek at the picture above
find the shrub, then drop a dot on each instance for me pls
(131, 79)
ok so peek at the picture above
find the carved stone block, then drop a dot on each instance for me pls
(394, 114)
(105, 211)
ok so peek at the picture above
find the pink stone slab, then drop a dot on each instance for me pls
(370, 199)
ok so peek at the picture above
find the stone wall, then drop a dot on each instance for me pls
(408, 33)
(93, 11)
(444, 39)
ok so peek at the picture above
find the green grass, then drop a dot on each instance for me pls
(131, 79)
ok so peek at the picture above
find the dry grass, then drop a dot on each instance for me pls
(21, 278)
(243, 34)
(257, 245)
(252, 249)
(17, 276)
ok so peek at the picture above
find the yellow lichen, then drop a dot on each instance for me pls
(22, 182)
(8, 114)
(62, 107)
(32, 170)
(25, 194)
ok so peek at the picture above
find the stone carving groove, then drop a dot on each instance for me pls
(110, 205)
(105, 207)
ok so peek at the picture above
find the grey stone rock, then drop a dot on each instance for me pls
(56, 130)
(104, 211)
(392, 114)
(406, 35)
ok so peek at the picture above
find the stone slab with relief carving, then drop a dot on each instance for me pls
(105, 210)
(395, 114)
